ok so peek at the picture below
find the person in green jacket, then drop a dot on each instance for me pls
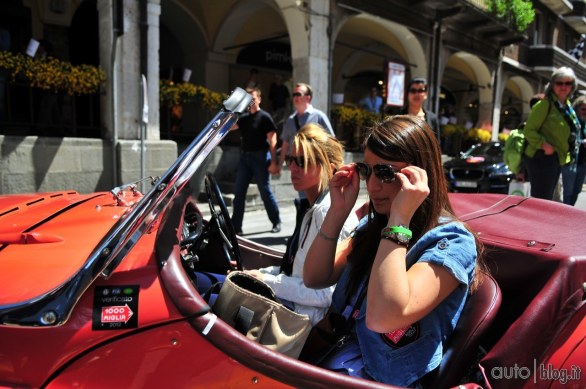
(548, 132)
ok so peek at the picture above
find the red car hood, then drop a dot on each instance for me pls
(45, 238)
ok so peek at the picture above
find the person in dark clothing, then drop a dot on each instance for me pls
(280, 100)
(416, 96)
(258, 159)
(573, 173)
(279, 93)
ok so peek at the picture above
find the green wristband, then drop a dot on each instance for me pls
(398, 229)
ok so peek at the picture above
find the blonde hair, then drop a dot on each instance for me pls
(319, 149)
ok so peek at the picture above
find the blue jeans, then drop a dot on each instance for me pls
(544, 173)
(254, 164)
(572, 181)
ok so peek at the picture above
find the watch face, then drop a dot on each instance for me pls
(402, 237)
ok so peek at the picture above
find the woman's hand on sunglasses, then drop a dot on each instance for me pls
(344, 188)
(414, 190)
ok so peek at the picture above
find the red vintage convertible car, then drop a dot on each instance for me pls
(98, 291)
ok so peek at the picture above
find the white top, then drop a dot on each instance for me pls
(312, 302)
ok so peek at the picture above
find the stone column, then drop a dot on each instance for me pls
(310, 31)
(121, 103)
(154, 13)
(123, 85)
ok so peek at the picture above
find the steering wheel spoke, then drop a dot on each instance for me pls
(220, 219)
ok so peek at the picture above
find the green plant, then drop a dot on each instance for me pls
(524, 14)
(520, 12)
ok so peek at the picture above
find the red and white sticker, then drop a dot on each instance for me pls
(116, 314)
(115, 307)
(402, 336)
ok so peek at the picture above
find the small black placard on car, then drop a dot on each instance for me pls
(115, 307)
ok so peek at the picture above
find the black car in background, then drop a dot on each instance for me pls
(479, 169)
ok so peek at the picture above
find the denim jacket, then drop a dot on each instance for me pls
(404, 356)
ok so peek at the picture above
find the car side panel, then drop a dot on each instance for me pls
(171, 356)
(29, 355)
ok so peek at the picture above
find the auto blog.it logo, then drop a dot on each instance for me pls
(540, 372)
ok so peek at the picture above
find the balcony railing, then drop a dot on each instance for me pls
(545, 58)
(32, 111)
(481, 4)
(561, 7)
(577, 18)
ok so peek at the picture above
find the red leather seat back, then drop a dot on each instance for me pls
(478, 315)
(562, 364)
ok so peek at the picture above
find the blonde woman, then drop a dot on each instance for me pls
(315, 157)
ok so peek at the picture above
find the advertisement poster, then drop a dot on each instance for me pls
(395, 84)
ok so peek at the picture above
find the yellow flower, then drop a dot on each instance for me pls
(52, 74)
(173, 94)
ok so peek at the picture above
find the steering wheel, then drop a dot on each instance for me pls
(191, 235)
(221, 221)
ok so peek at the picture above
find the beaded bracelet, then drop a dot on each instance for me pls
(320, 233)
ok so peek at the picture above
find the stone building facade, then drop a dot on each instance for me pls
(479, 67)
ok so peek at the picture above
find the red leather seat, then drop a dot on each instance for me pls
(562, 364)
(478, 314)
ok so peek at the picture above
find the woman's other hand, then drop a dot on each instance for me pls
(414, 190)
(344, 188)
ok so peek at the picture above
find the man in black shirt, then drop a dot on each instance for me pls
(258, 159)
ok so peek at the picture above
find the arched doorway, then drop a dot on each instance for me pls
(84, 48)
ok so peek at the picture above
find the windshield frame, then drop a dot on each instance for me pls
(54, 307)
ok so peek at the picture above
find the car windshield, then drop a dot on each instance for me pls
(490, 149)
(55, 307)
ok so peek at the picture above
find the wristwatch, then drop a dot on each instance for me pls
(399, 234)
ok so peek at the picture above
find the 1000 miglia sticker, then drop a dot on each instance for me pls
(115, 307)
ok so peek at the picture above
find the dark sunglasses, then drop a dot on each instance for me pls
(299, 161)
(297, 94)
(566, 83)
(385, 173)
(413, 90)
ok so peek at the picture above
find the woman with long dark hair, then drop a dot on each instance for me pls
(404, 276)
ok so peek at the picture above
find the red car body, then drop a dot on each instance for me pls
(136, 319)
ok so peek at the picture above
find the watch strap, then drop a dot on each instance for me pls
(393, 238)
(400, 229)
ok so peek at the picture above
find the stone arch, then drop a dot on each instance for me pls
(375, 35)
(181, 28)
(237, 19)
(526, 92)
(465, 69)
(513, 103)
